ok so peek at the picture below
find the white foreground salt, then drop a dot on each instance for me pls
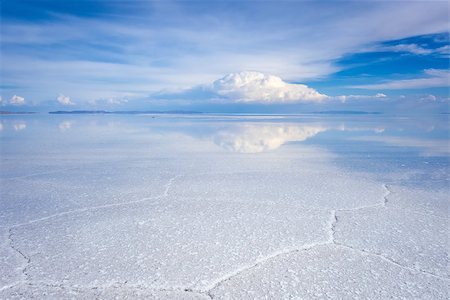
(128, 212)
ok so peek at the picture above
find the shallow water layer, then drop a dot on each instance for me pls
(224, 206)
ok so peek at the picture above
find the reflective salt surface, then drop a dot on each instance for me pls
(224, 206)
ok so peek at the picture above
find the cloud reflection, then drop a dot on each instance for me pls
(65, 125)
(20, 126)
(255, 138)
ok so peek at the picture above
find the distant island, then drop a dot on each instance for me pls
(347, 112)
(16, 112)
(134, 112)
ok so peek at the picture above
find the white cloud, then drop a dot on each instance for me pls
(64, 100)
(445, 50)
(115, 100)
(411, 48)
(108, 101)
(254, 138)
(345, 98)
(17, 100)
(431, 98)
(434, 78)
(437, 73)
(20, 126)
(259, 87)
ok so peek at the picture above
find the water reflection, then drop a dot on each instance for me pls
(429, 147)
(243, 134)
(19, 126)
(344, 127)
(257, 138)
(65, 125)
(247, 135)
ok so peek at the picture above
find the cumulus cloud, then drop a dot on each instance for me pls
(432, 78)
(264, 88)
(64, 100)
(17, 100)
(259, 88)
(254, 138)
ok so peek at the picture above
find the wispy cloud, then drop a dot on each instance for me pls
(432, 78)
(345, 98)
(19, 126)
(17, 100)
(108, 101)
(413, 48)
(64, 100)
(429, 98)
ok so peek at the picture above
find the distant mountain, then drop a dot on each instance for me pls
(123, 112)
(79, 112)
(347, 112)
(16, 112)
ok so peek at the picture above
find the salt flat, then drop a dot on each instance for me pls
(203, 207)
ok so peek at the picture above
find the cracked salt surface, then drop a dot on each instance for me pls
(330, 271)
(181, 243)
(59, 193)
(11, 262)
(302, 188)
(42, 290)
(420, 201)
(174, 216)
(414, 240)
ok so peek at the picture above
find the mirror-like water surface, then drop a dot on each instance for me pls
(194, 205)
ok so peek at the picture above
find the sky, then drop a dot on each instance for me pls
(225, 56)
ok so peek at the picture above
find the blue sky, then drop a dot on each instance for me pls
(298, 55)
